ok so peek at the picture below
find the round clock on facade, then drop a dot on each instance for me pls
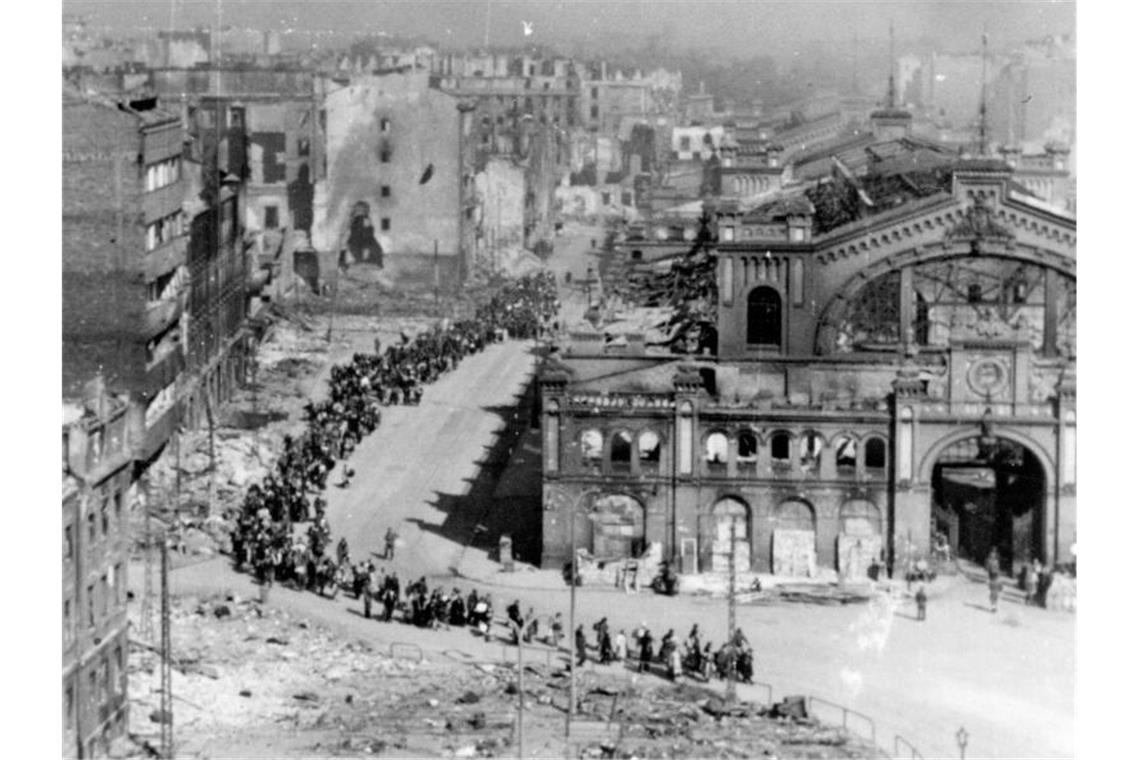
(987, 377)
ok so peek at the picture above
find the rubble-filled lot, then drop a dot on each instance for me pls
(255, 682)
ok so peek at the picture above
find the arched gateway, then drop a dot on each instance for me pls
(989, 492)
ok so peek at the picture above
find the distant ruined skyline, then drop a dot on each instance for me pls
(738, 28)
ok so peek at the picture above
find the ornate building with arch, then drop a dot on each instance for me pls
(895, 359)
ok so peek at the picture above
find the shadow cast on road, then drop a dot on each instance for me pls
(478, 517)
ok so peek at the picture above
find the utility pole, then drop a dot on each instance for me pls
(572, 707)
(730, 688)
(435, 271)
(518, 629)
(982, 106)
(146, 611)
(210, 485)
(332, 307)
(166, 704)
(487, 28)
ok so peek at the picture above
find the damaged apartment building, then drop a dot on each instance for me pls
(125, 237)
(399, 186)
(255, 151)
(102, 436)
(157, 284)
(525, 109)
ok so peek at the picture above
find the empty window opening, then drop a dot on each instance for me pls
(746, 447)
(780, 447)
(621, 451)
(649, 451)
(845, 454)
(811, 449)
(875, 457)
(716, 451)
(591, 446)
(764, 317)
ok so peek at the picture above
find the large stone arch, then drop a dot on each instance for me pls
(1001, 499)
(929, 458)
(841, 296)
(616, 525)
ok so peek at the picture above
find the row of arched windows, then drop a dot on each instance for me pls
(648, 448)
(808, 454)
(786, 451)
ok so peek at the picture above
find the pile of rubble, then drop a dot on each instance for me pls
(248, 677)
(250, 680)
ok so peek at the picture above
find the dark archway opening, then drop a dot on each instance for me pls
(990, 493)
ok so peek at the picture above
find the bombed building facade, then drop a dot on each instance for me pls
(895, 359)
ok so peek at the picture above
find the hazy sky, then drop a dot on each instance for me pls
(740, 27)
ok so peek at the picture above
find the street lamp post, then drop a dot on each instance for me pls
(963, 737)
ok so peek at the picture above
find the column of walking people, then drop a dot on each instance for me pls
(264, 537)
(437, 608)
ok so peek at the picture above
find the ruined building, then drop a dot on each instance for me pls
(396, 158)
(124, 255)
(894, 358)
(100, 441)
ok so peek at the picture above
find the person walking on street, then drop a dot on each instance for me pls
(531, 629)
(645, 644)
(1031, 579)
(390, 538)
(674, 663)
(580, 645)
(370, 590)
(995, 592)
(621, 647)
(602, 639)
(556, 630)
(993, 564)
(920, 601)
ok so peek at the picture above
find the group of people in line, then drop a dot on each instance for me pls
(264, 537)
(694, 657)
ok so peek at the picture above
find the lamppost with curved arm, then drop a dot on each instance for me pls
(963, 737)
